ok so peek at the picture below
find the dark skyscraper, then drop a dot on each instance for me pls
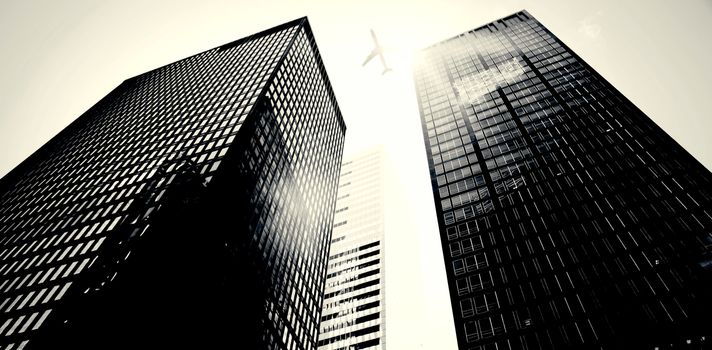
(191, 207)
(568, 219)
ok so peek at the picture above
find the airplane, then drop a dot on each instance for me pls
(377, 51)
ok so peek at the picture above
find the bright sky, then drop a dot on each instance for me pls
(59, 58)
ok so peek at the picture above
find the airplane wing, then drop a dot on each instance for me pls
(371, 56)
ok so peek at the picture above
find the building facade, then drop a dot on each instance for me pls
(353, 315)
(190, 207)
(568, 218)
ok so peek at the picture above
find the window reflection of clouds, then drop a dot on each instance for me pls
(472, 89)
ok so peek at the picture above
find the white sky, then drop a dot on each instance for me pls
(59, 58)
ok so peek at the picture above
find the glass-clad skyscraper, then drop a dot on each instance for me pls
(190, 207)
(353, 315)
(568, 219)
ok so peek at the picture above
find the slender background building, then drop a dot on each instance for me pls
(191, 207)
(353, 315)
(568, 219)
